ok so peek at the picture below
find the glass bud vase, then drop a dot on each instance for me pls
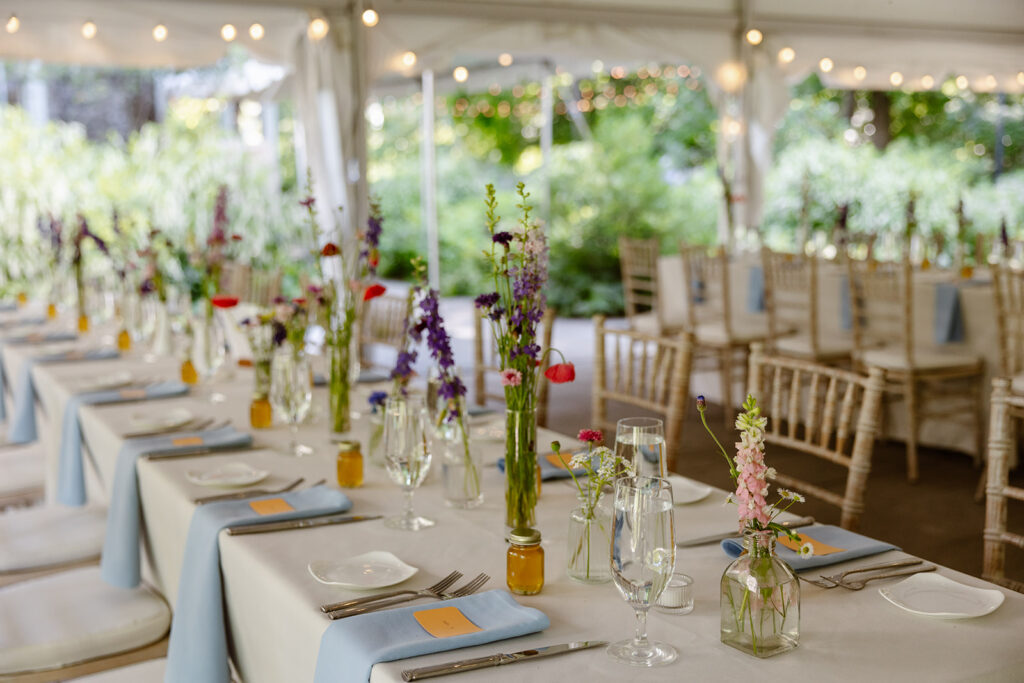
(589, 546)
(520, 468)
(760, 601)
(460, 466)
(344, 372)
(375, 444)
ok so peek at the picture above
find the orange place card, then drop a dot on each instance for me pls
(35, 337)
(74, 355)
(188, 441)
(445, 622)
(133, 393)
(271, 506)
(561, 461)
(819, 547)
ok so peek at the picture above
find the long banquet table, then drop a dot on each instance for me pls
(272, 600)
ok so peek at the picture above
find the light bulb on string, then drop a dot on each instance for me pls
(896, 78)
(754, 37)
(927, 82)
(228, 32)
(505, 59)
(13, 24)
(787, 55)
(318, 28)
(961, 82)
(256, 31)
(860, 73)
(409, 58)
(89, 30)
(159, 33)
(826, 64)
(460, 74)
(370, 17)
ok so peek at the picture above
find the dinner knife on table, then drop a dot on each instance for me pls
(307, 523)
(716, 538)
(499, 659)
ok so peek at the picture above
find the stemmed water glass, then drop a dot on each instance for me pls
(291, 394)
(643, 558)
(641, 441)
(406, 454)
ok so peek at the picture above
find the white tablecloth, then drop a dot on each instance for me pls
(272, 600)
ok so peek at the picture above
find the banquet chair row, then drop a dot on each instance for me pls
(382, 325)
(638, 263)
(251, 285)
(1006, 412)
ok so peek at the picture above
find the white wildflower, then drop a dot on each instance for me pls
(579, 460)
(806, 550)
(771, 473)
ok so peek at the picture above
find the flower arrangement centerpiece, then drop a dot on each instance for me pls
(52, 233)
(375, 447)
(153, 285)
(260, 333)
(78, 266)
(338, 305)
(590, 522)
(760, 594)
(519, 263)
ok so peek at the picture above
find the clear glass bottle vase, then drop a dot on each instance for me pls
(460, 465)
(589, 544)
(520, 468)
(760, 600)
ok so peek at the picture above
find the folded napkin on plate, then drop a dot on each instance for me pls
(70, 477)
(853, 545)
(23, 427)
(24, 339)
(548, 469)
(350, 647)
(120, 564)
(198, 649)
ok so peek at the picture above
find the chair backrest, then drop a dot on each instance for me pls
(1009, 294)
(706, 283)
(1005, 408)
(264, 286)
(638, 261)
(636, 369)
(234, 279)
(855, 245)
(826, 412)
(486, 361)
(881, 305)
(791, 295)
(382, 323)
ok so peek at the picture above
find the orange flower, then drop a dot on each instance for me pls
(224, 301)
(330, 249)
(373, 291)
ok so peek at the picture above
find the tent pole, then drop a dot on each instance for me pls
(428, 180)
(547, 106)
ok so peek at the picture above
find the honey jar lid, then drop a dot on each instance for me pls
(524, 536)
(347, 445)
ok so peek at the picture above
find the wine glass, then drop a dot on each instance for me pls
(406, 454)
(643, 558)
(209, 351)
(641, 441)
(291, 394)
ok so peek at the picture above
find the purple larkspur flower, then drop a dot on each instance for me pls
(528, 350)
(377, 399)
(496, 313)
(486, 300)
(503, 238)
(440, 346)
(280, 332)
(218, 234)
(403, 365)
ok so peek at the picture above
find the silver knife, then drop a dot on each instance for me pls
(169, 454)
(715, 538)
(499, 659)
(299, 524)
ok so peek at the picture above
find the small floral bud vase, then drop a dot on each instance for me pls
(760, 599)
(590, 541)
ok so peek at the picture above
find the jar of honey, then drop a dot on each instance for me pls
(51, 311)
(350, 465)
(261, 413)
(525, 562)
(124, 340)
(83, 323)
(188, 372)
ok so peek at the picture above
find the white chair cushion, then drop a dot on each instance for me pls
(72, 617)
(1017, 384)
(151, 671)
(800, 345)
(646, 323)
(23, 467)
(895, 359)
(744, 332)
(50, 535)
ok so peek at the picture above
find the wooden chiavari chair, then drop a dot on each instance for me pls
(638, 260)
(1009, 297)
(1005, 410)
(882, 303)
(382, 324)
(826, 412)
(637, 369)
(264, 287)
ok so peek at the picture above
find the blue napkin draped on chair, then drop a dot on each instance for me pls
(24, 339)
(120, 563)
(350, 647)
(949, 320)
(755, 290)
(854, 545)
(70, 471)
(198, 649)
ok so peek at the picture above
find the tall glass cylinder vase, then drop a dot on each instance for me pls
(460, 465)
(760, 601)
(520, 467)
(590, 540)
(344, 372)
(162, 343)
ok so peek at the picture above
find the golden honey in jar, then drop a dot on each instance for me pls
(188, 372)
(350, 465)
(124, 340)
(525, 562)
(51, 311)
(22, 298)
(261, 414)
(83, 323)
(966, 272)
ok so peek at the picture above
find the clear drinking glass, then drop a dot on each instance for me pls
(406, 454)
(290, 393)
(643, 558)
(641, 441)
(209, 351)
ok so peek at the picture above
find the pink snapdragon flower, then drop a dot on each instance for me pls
(511, 377)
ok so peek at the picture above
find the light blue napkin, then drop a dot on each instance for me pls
(549, 471)
(949, 320)
(22, 322)
(854, 546)
(755, 290)
(120, 564)
(24, 339)
(7, 306)
(365, 377)
(70, 472)
(350, 647)
(198, 650)
(845, 305)
(23, 427)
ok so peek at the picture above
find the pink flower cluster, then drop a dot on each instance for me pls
(752, 484)
(511, 377)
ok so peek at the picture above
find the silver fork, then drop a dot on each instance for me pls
(436, 588)
(472, 587)
(856, 585)
(193, 425)
(836, 579)
(241, 495)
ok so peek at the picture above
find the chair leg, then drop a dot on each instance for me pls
(910, 396)
(725, 361)
(979, 426)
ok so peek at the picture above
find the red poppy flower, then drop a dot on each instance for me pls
(561, 373)
(330, 249)
(307, 202)
(236, 237)
(373, 291)
(224, 301)
(299, 301)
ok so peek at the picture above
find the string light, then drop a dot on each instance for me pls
(860, 73)
(318, 28)
(787, 55)
(370, 17)
(1020, 77)
(228, 32)
(991, 82)
(159, 33)
(505, 59)
(409, 58)
(13, 24)
(927, 82)
(256, 31)
(754, 37)
(961, 82)
(826, 64)
(89, 30)
(460, 74)
(896, 78)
